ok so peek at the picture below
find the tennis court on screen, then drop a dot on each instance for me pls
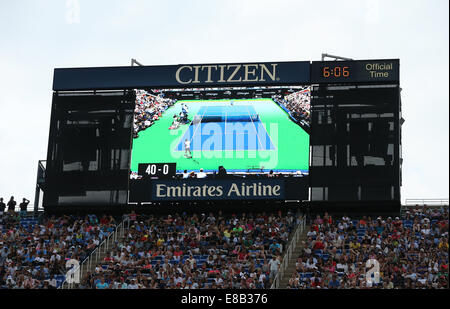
(217, 128)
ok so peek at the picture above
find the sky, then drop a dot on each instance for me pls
(37, 36)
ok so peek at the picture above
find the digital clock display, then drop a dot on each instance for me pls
(337, 71)
(362, 71)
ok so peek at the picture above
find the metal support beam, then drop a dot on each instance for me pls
(335, 57)
(40, 180)
(134, 61)
(36, 200)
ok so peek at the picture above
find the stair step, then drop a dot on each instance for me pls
(290, 269)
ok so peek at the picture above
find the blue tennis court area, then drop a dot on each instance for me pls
(230, 127)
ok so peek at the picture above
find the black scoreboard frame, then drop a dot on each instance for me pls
(103, 98)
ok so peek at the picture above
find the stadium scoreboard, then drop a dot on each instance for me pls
(353, 155)
(226, 75)
(157, 169)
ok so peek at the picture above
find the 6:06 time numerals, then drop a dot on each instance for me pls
(336, 72)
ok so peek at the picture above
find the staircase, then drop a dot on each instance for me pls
(74, 275)
(295, 247)
(290, 269)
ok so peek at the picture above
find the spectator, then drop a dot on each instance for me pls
(23, 206)
(274, 265)
(222, 173)
(102, 284)
(201, 174)
(12, 205)
(2, 205)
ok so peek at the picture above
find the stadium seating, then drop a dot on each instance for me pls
(196, 252)
(297, 105)
(236, 251)
(33, 252)
(412, 252)
(148, 109)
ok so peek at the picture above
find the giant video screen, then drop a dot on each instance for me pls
(215, 133)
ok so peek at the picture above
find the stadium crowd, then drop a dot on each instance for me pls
(238, 251)
(33, 255)
(412, 252)
(149, 108)
(196, 252)
(298, 104)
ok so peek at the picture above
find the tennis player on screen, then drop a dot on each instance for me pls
(187, 148)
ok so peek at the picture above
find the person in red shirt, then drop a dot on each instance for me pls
(242, 256)
(108, 258)
(351, 275)
(318, 245)
(214, 271)
(397, 223)
(104, 220)
(50, 225)
(178, 252)
(318, 220)
(316, 283)
(443, 225)
(327, 219)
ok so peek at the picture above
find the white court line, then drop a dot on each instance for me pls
(225, 130)
(274, 147)
(256, 130)
(234, 133)
(193, 134)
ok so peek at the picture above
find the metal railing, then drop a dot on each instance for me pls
(426, 202)
(91, 261)
(289, 252)
(30, 209)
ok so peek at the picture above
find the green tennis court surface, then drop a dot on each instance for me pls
(227, 128)
(264, 139)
